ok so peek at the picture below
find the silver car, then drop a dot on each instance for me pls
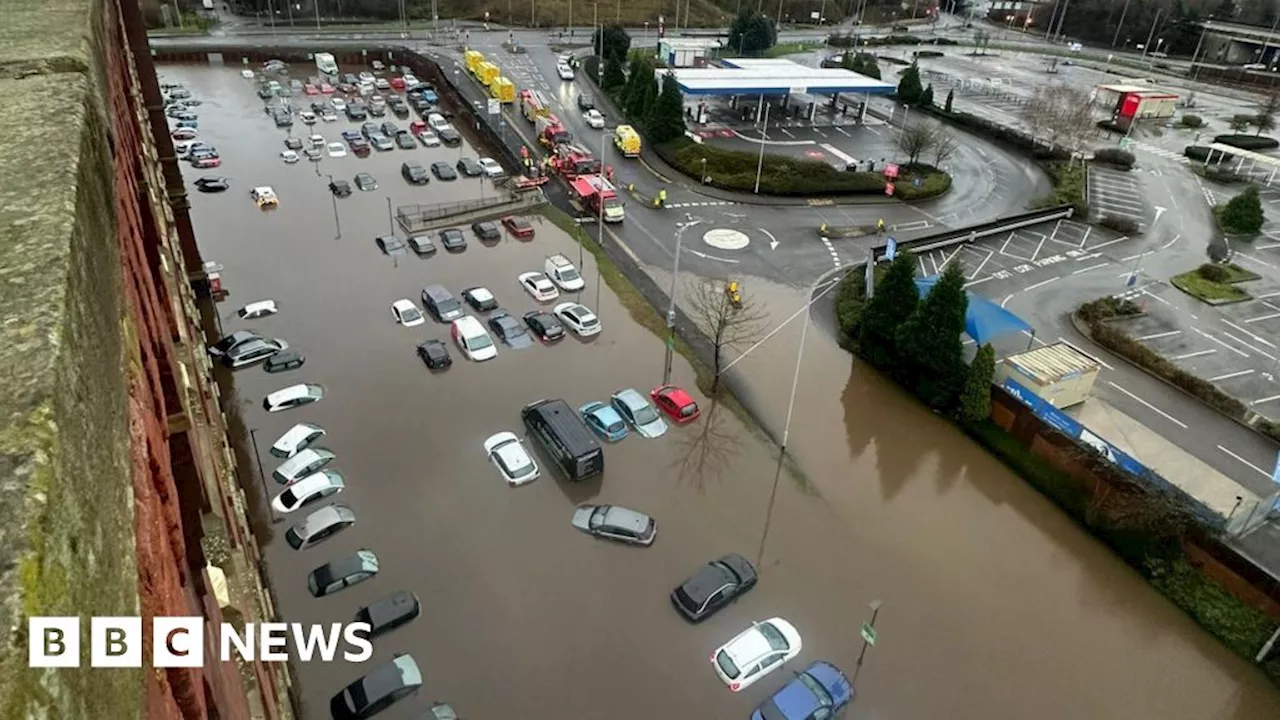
(612, 522)
(639, 413)
(253, 351)
(303, 464)
(320, 526)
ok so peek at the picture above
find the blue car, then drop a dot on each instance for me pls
(193, 124)
(604, 421)
(819, 692)
(350, 135)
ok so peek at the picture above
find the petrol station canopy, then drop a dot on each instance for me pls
(747, 76)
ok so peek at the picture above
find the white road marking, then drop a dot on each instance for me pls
(1006, 242)
(1034, 338)
(1088, 229)
(1264, 341)
(1197, 353)
(1157, 410)
(1157, 297)
(1006, 300)
(1042, 283)
(1251, 258)
(1036, 254)
(842, 131)
(1157, 336)
(1261, 352)
(1091, 267)
(1099, 246)
(1264, 473)
(971, 283)
(923, 271)
(1230, 375)
(1268, 295)
(946, 259)
(934, 260)
(1169, 244)
(1265, 399)
(1211, 338)
(1272, 316)
(981, 264)
(1135, 257)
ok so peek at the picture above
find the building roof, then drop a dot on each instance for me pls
(1257, 157)
(983, 319)
(1142, 89)
(745, 76)
(1052, 363)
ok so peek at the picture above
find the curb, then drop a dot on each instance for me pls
(1084, 331)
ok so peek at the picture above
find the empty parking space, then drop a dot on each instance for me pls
(1116, 194)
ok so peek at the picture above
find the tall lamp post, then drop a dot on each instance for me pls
(262, 476)
(337, 225)
(868, 632)
(689, 221)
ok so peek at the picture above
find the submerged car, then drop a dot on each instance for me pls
(817, 692)
(639, 413)
(509, 330)
(756, 652)
(342, 573)
(612, 522)
(714, 586)
(389, 613)
(435, 354)
(676, 402)
(308, 490)
(512, 458)
(604, 421)
(378, 690)
(292, 397)
(212, 184)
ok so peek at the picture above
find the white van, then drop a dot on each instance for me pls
(473, 339)
(296, 439)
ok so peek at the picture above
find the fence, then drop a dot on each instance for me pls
(420, 218)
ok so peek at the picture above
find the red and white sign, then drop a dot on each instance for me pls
(891, 170)
(888, 188)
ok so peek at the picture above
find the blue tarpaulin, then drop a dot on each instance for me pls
(984, 319)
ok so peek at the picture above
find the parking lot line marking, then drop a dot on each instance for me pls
(1271, 316)
(1230, 375)
(1157, 336)
(1099, 246)
(934, 259)
(1272, 246)
(1265, 399)
(1157, 297)
(1246, 332)
(1091, 267)
(1006, 300)
(1197, 353)
(1088, 229)
(1135, 257)
(1036, 254)
(1263, 353)
(981, 264)
(946, 259)
(1006, 242)
(1251, 258)
(923, 271)
(1162, 413)
(1211, 338)
(1169, 244)
(1246, 462)
(979, 281)
(1132, 215)
(1042, 283)
(1268, 295)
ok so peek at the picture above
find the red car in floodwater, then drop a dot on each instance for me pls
(678, 404)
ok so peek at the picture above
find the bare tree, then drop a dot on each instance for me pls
(1074, 113)
(705, 454)
(1266, 118)
(1037, 113)
(944, 145)
(915, 140)
(724, 322)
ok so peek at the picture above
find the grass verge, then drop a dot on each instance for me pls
(1217, 289)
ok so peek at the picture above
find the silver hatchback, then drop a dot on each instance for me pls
(320, 526)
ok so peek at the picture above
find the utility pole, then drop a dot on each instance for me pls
(316, 5)
(1147, 45)
(1120, 25)
(1052, 16)
(763, 134)
(689, 221)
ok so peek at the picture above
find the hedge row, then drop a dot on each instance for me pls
(894, 39)
(1248, 142)
(997, 132)
(1115, 156)
(1068, 188)
(1200, 153)
(787, 176)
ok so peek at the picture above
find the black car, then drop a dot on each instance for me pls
(318, 106)
(389, 128)
(509, 329)
(355, 111)
(424, 107)
(239, 337)
(414, 174)
(399, 109)
(285, 361)
(443, 170)
(449, 136)
(350, 79)
(211, 184)
(435, 354)
(390, 612)
(378, 690)
(293, 143)
(486, 231)
(405, 141)
(422, 245)
(469, 167)
(390, 245)
(341, 188)
(715, 585)
(544, 325)
(369, 129)
(585, 102)
(453, 240)
(365, 182)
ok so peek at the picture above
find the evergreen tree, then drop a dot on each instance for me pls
(909, 88)
(751, 33)
(931, 357)
(975, 402)
(613, 77)
(1243, 213)
(951, 94)
(893, 301)
(637, 85)
(667, 121)
(648, 101)
(616, 42)
(926, 99)
(870, 67)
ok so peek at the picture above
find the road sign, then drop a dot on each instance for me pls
(891, 251)
(915, 182)
(495, 106)
(891, 170)
(1275, 474)
(1133, 278)
(888, 188)
(869, 634)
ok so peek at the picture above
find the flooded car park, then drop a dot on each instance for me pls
(996, 606)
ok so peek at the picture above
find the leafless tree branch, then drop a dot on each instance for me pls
(724, 323)
(705, 453)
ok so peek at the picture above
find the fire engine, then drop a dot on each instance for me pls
(551, 131)
(534, 105)
(571, 161)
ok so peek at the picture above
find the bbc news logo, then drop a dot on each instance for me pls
(180, 642)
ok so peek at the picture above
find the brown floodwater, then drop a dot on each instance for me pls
(995, 605)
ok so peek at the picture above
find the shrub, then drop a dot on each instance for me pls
(1068, 188)
(1108, 125)
(1127, 226)
(1115, 156)
(1200, 153)
(994, 131)
(1214, 273)
(928, 53)
(1242, 214)
(1248, 142)
(1105, 308)
(1191, 121)
(1218, 174)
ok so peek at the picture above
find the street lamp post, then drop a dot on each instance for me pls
(1147, 45)
(689, 221)
(262, 476)
(337, 225)
(868, 636)
(316, 5)
(760, 162)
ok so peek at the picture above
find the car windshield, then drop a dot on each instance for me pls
(569, 274)
(314, 391)
(448, 306)
(688, 410)
(479, 342)
(815, 687)
(726, 664)
(410, 314)
(645, 414)
(358, 697)
(288, 497)
(588, 320)
(616, 427)
(774, 638)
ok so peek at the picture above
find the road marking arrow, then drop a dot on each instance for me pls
(773, 241)
(1159, 211)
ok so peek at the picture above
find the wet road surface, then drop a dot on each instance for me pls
(995, 605)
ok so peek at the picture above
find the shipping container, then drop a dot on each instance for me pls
(1061, 374)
